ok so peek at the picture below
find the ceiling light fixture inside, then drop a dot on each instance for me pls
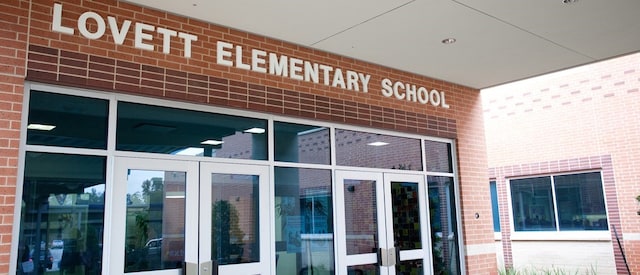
(212, 142)
(569, 1)
(449, 41)
(41, 127)
(378, 143)
(255, 130)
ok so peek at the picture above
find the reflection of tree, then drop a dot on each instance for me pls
(439, 265)
(227, 235)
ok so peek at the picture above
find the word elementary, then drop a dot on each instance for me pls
(91, 25)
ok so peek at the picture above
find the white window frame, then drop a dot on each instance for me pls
(557, 235)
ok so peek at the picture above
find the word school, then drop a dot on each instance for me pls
(228, 54)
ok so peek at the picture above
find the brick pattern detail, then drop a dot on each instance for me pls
(49, 65)
(602, 163)
(13, 45)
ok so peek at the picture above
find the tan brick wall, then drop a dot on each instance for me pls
(588, 111)
(72, 60)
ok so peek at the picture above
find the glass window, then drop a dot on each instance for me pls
(444, 225)
(533, 208)
(304, 221)
(578, 202)
(68, 121)
(438, 156)
(155, 129)
(494, 206)
(62, 221)
(362, 149)
(155, 220)
(235, 229)
(302, 143)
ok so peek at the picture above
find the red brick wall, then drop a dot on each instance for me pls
(13, 45)
(72, 60)
(576, 114)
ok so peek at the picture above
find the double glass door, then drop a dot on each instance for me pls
(189, 217)
(382, 224)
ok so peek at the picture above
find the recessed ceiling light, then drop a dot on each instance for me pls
(255, 130)
(42, 127)
(449, 41)
(190, 151)
(378, 143)
(212, 142)
(569, 1)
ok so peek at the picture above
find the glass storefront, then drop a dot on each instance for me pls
(285, 222)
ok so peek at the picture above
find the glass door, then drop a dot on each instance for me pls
(234, 219)
(382, 224)
(188, 217)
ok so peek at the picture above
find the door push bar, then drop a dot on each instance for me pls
(388, 256)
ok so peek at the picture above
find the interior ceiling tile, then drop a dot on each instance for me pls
(497, 41)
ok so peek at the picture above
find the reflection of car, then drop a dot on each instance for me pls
(147, 257)
(154, 248)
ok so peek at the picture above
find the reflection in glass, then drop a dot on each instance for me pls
(363, 270)
(301, 143)
(362, 149)
(304, 221)
(438, 156)
(62, 220)
(406, 215)
(444, 225)
(533, 204)
(580, 201)
(78, 122)
(155, 220)
(234, 221)
(164, 130)
(361, 216)
(414, 267)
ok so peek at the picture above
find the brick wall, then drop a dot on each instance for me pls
(575, 114)
(13, 39)
(100, 64)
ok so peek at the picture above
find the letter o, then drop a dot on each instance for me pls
(434, 97)
(82, 25)
(423, 95)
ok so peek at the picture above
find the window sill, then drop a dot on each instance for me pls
(601, 235)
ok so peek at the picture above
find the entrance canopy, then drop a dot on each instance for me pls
(495, 41)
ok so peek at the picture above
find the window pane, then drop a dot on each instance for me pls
(79, 122)
(155, 220)
(580, 202)
(444, 225)
(362, 149)
(361, 216)
(532, 201)
(155, 129)
(302, 143)
(62, 221)
(406, 215)
(235, 236)
(303, 221)
(494, 206)
(438, 156)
